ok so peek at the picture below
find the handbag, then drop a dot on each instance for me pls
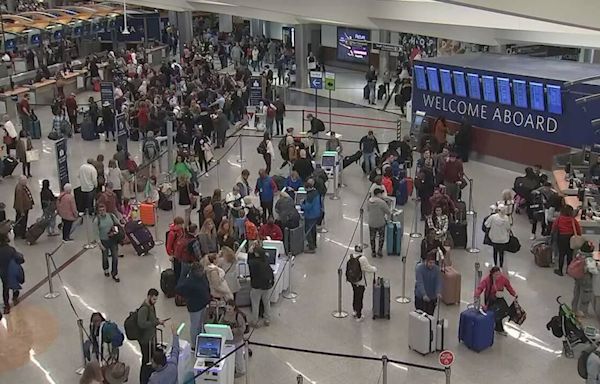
(577, 268)
(516, 313)
(116, 233)
(513, 245)
(32, 155)
(576, 241)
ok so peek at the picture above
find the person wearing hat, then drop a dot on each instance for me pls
(583, 289)
(108, 119)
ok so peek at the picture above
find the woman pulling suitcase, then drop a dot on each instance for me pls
(492, 286)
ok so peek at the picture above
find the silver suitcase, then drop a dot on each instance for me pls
(426, 333)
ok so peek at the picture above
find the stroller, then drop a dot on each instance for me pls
(567, 326)
(523, 188)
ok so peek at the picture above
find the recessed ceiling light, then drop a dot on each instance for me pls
(211, 2)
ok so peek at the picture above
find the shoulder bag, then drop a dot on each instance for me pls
(513, 245)
(116, 233)
(576, 241)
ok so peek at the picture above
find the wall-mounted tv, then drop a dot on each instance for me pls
(420, 78)
(489, 90)
(446, 78)
(554, 99)
(536, 91)
(460, 86)
(504, 91)
(349, 46)
(474, 86)
(433, 79)
(520, 92)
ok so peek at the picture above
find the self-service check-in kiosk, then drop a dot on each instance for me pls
(330, 164)
(210, 347)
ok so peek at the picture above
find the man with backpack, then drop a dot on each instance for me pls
(150, 149)
(147, 321)
(316, 126)
(356, 267)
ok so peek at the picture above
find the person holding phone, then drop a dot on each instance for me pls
(147, 322)
(109, 233)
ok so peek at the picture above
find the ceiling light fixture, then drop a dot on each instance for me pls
(125, 31)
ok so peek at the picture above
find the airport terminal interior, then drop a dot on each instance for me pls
(538, 111)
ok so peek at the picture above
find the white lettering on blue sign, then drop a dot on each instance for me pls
(503, 115)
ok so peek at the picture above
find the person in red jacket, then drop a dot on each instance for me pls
(71, 105)
(565, 226)
(143, 117)
(387, 181)
(175, 231)
(271, 230)
(492, 286)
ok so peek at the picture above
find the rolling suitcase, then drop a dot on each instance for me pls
(458, 232)
(87, 130)
(147, 214)
(36, 230)
(542, 254)
(426, 333)
(293, 239)
(242, 297)
(451, 280)
(9, 165)
(168, 282)
(476, 329)
(461, 214)
(36, 129)
(380, 92)
(381, 298)
(79, 199)
(393, 238)
(366, 92)
(140, 237)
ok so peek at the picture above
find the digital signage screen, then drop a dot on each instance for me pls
(504, 91)
(58, 35)
(489, 90)
(446, 81)
(520, 92)
(433, 79)
(554, 99)
(36, 40)
(474, 86)
(420, 77)
(349, 46)
(459, 84)
(536, 90)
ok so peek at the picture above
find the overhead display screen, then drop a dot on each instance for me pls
(554, 99)
(434, 81)
(520, 92)
(504, 91)
(446, 81)
(36, 40)
(420, 77)
(459, 84)
(474, 86)
(349, 46)
(489, 90)
(536, 90)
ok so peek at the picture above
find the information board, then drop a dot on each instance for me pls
(420, 77)
(446, 81)
(536, 90)
(460, 87)
(504, 91)
(60, 148)
(554, 99)
(433, 79)
(520, 92)
(474, 86)
(489, 90)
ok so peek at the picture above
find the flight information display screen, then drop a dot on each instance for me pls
(536, 90)
(554, 99)
(459, 84)
(420, 77)
(489, 90)
(433, 79)
(446, 81)
(474, 86)
(504, 91)
(520, 92)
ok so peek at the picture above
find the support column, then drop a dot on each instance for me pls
(183, 22)
(256, 27)
(302, 37)
(225, 23)
(384, 57)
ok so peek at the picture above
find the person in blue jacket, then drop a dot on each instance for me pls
(265, 189)
(293, 183)
(11, 272)
(165, 368)
(428, 285)
(196, 291)
(311, 206)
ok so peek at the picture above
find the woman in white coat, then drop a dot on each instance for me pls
(498, 226)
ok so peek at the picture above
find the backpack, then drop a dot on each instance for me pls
(262, 148)
(270, 113)
(150, 149)
(112, 334)
(577, 268)
(354, 272)
(582, 361)
(181, 249)
(132, 329)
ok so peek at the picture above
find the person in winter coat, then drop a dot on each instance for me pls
(286, 211)
(303, 166)
(24, 145)
(265, 188)
(175, 232)
(312, 214)
(431, 243)
(425, 185)
(8, 256)
(358, 288)
(216, 279)
(492, 286)
(270, 230)
(261, 282)
(23, 203)
(67, 210)
(208, 237)
(428, 285)
(108, 119)
(369, 147)
(48, 201)
(583, 289)
(377, 210)
(564, 227)
(228, 262)
(439, 223)
(196, 291)
(498, 226)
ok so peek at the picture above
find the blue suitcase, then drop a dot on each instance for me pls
(393, 238)
(476, 329)
(36, 129)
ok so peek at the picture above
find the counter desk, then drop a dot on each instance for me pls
(42, 92)
(9, 100)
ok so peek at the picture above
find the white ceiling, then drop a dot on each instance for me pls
(569, 23)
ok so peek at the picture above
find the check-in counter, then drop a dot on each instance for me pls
(562, 183)
(103, 71)
(70, 83)
(9, 100)
(42, 92)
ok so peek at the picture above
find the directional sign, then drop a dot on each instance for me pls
(60, 148)
(255, 91)
(386, 47)
(446, 358)
(330, 81)
(316, 80)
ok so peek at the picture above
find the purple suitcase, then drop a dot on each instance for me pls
(140, 237)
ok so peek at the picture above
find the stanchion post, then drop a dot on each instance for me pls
(241, 159)
(470, 211)
(361, 219)
(247, 359)
(477, 279)
(302, 118)
(403, 299)
(80, 370)
(336, 195)
(156, 239)
(218, 175)
(51, 294)
(384, 366)
(339, 313)
(89, 244)
(447, 371)
(414, 231)
(473, 248)
(290, 294)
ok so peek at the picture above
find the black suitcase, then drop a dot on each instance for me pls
(458, 232)
(366, 92)
(87, 130)
(36, 230)
(79, 199)
(10, 163)
(168, 282)
(381, 298)
(293, 239)
(351, 159)
(140, 237)
(380, 92)
(398, 100)
(461, 214)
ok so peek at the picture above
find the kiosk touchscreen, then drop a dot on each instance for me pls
(271, 255)
(208, 349)
(300, 196)
(220, 329)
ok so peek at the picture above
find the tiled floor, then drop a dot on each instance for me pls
(39, 339)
